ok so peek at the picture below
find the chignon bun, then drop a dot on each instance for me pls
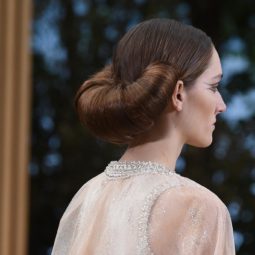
(116, 111)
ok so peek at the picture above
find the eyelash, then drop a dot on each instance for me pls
(214, 87)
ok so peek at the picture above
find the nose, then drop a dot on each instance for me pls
(221, 106)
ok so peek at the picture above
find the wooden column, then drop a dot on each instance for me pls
(15, 114)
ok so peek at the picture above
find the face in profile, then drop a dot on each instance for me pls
(203, 102)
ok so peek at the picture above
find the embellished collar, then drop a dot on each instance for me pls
(126, 169)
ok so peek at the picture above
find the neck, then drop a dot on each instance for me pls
(164, 151)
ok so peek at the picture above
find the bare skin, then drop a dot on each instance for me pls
(189, 119)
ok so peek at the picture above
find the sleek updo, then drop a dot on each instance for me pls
(125, 98)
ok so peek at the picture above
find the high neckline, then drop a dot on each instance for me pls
(124, 169)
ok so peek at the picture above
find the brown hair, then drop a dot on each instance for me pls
(125, 98)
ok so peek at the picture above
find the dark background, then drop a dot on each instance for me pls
(71, 40)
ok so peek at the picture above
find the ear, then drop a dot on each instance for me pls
(178, 96)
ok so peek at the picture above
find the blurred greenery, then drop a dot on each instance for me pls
(72, 39)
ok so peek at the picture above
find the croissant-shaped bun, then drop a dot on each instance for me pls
(118, 112)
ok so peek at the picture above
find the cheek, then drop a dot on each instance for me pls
(199, 117)
(204, 106)
(200, 114)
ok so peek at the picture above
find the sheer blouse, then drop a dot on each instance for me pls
(141, 208)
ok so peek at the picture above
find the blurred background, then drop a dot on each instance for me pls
(72, 39)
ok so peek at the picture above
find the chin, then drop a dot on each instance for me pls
(201, 143)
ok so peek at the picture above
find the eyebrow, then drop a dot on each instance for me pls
(218, 76)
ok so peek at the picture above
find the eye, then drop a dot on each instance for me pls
(214, 87)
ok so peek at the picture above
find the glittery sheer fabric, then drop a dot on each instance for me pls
(144, 209)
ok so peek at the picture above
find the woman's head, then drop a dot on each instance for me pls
(196, 108)
(125, 99)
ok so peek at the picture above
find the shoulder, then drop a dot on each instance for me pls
(186, 198)
(191, 191)
(80, 195)
(188, 217)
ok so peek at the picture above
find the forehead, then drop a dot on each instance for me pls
(214, 67)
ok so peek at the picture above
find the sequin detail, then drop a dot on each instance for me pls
(125, 169)
(196, 215)
(143, 223)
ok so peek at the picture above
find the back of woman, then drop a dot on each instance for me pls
(159, 93)
(151, 213)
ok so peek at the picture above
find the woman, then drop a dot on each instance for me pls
(159, 93)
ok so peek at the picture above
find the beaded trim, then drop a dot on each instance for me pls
(126, 169)
(143, 223)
